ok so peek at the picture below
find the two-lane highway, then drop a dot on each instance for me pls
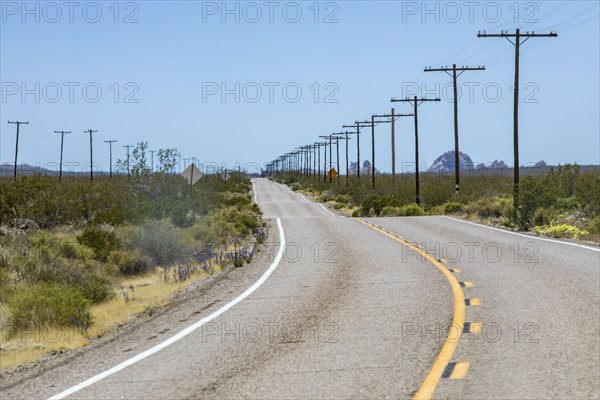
(354, 310)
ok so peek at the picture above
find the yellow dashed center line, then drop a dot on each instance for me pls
(443, 358)
(460, 370)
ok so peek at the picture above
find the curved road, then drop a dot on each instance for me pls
(365, 309)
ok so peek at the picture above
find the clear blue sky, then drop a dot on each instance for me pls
(176, 52)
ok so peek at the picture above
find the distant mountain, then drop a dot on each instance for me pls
(496, 164)
(445, 162)
(365, 170)
(541, 163)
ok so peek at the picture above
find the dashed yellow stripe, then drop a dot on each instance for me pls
(473, 301)
(443, 358)
(460, 370)
(455, 270)
(467, 284)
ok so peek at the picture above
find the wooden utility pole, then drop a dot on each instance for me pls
(62, 140)
(110, 142)
(128, 146)
(416, 102)
(517, 43)
(18, 123)
(91, 154)
(342, 136)
(325, 155)
(454, 75)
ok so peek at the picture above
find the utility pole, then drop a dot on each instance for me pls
(416, 102)
(357, 125)
(517, 43)
(454, 75)
(62, 140)
(91, 154)
(393, 117)
(389, 119)
(318, 175)
(152, 159)
(18, 123)
(128, 146)
(110, 142)
(325, 155)
(346, 138)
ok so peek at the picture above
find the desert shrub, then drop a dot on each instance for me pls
(560, 231)
(413, 210)
(489, 207)
(356, 213)
(343, 198)
(543, 216)
(45, 305)
(392, 211)
(594, 226)
(295, 186)
(160, 241)
(96, 288)
(452, 207)
(533, 193)
(373, 205)
(326, 196)
(180, 215)
(129, 262)
(587, 192)
(101, 239)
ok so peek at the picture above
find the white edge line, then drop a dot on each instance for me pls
(521, 234)
(305, 199)
(254, 192)
(323, 207)
(183, 333)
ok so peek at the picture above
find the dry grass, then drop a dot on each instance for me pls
(149, 292)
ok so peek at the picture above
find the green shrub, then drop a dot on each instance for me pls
(413, 210)
(45, 305)
(343, 198)
(101, 239)
(392, 211)
(594, 226)
(373, 205)
(533, 193)
(489, 207)
(295, 186)
(160, 241)
(543, 216)
(96, 288)
(452, 207)
(129, 262)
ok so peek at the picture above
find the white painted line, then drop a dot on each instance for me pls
(254, 191)
(180, 335)
(305, 199)
(323, 207)
(522, 234)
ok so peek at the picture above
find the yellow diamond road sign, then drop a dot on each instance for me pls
(192, 174)
(333, 173)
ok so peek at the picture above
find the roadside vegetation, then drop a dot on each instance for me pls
(82, 256)
(563, 202)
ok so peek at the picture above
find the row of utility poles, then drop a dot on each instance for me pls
(299, 160)
(90, 132)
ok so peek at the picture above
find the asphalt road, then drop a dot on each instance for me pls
(357, 311)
